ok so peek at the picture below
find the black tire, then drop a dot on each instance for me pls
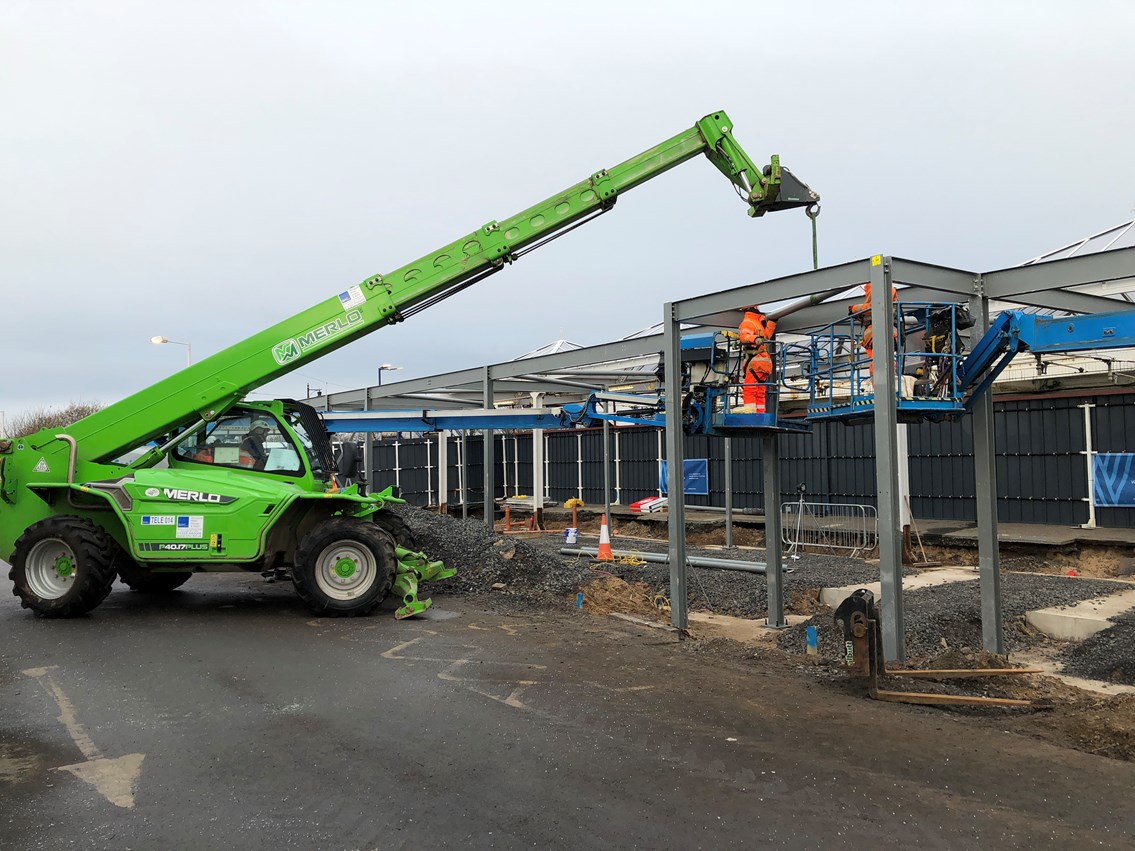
(345, 566)
(139, 578)
(396, 528)
(64, 567)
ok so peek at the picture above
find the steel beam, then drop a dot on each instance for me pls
(675, 508)
(886, 459)
(431, 383)
(1073, 302)
(620, 350)
(932, 277)
(848, 274)
(985, 478)
(1057, 274)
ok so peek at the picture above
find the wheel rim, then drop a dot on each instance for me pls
(345, 570)
(50, 569)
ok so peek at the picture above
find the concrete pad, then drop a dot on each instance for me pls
(923, 579)
(746, 630)
(1021, 533)
(1046, 535)
(1052, 668)
(1075, 623)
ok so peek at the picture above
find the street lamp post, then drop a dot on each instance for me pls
(159, 340)
(384, 367)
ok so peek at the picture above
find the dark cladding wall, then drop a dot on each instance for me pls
(1041, 465)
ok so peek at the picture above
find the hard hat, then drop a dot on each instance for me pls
(261, 423)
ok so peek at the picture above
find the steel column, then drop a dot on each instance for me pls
(489, 478)
(538, 476)
(1089, 453)
(728, 492)
(886, 458)
(607, 468)
(985, 470)
(675, 508)
(464, 478)
(443, 472)
(618, 471)
(770, 460)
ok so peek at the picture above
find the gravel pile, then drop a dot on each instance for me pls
(949, 616)
(1107, 655)
(484, 558)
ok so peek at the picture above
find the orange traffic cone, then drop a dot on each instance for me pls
(605, 553)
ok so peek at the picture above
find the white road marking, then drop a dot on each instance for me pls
(473, 684)
(114, 779)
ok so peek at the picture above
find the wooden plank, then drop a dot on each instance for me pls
(945, 699)
(962, 673)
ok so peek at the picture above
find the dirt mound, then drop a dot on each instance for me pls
(606, 594)
(1104, 726)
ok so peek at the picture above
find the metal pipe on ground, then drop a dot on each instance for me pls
(719, 509)
(662, 558)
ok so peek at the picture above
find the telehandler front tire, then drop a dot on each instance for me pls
(344, 567)
(396, 528)
(64, 567)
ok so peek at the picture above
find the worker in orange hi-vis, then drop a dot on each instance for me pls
(862, 312)
(755, 334)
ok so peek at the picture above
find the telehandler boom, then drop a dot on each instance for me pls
(186, 476)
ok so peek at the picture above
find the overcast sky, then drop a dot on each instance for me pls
(203, 170)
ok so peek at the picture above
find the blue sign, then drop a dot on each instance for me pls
(695, 477)
(1114, 478)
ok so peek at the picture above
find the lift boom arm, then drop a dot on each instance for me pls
(1013, 331)
(207, 388)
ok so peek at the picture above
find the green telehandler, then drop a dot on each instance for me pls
(188, 476)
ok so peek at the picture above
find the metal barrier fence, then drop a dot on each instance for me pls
(829, 526)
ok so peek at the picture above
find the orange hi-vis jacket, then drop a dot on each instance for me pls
(863, 310)
(756, 330)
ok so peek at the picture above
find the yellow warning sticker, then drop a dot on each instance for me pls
(877, 260)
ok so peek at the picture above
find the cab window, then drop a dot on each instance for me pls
(243, 439)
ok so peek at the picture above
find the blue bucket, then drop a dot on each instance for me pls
(571, 535)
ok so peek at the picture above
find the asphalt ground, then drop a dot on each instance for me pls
(225, 715)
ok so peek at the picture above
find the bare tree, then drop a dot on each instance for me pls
(44, 417)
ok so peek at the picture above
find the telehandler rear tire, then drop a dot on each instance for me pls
(64, 567)
(142, 579)
(344, 567)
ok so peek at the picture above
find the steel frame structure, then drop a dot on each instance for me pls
(1047, 285)
(1043, 285)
